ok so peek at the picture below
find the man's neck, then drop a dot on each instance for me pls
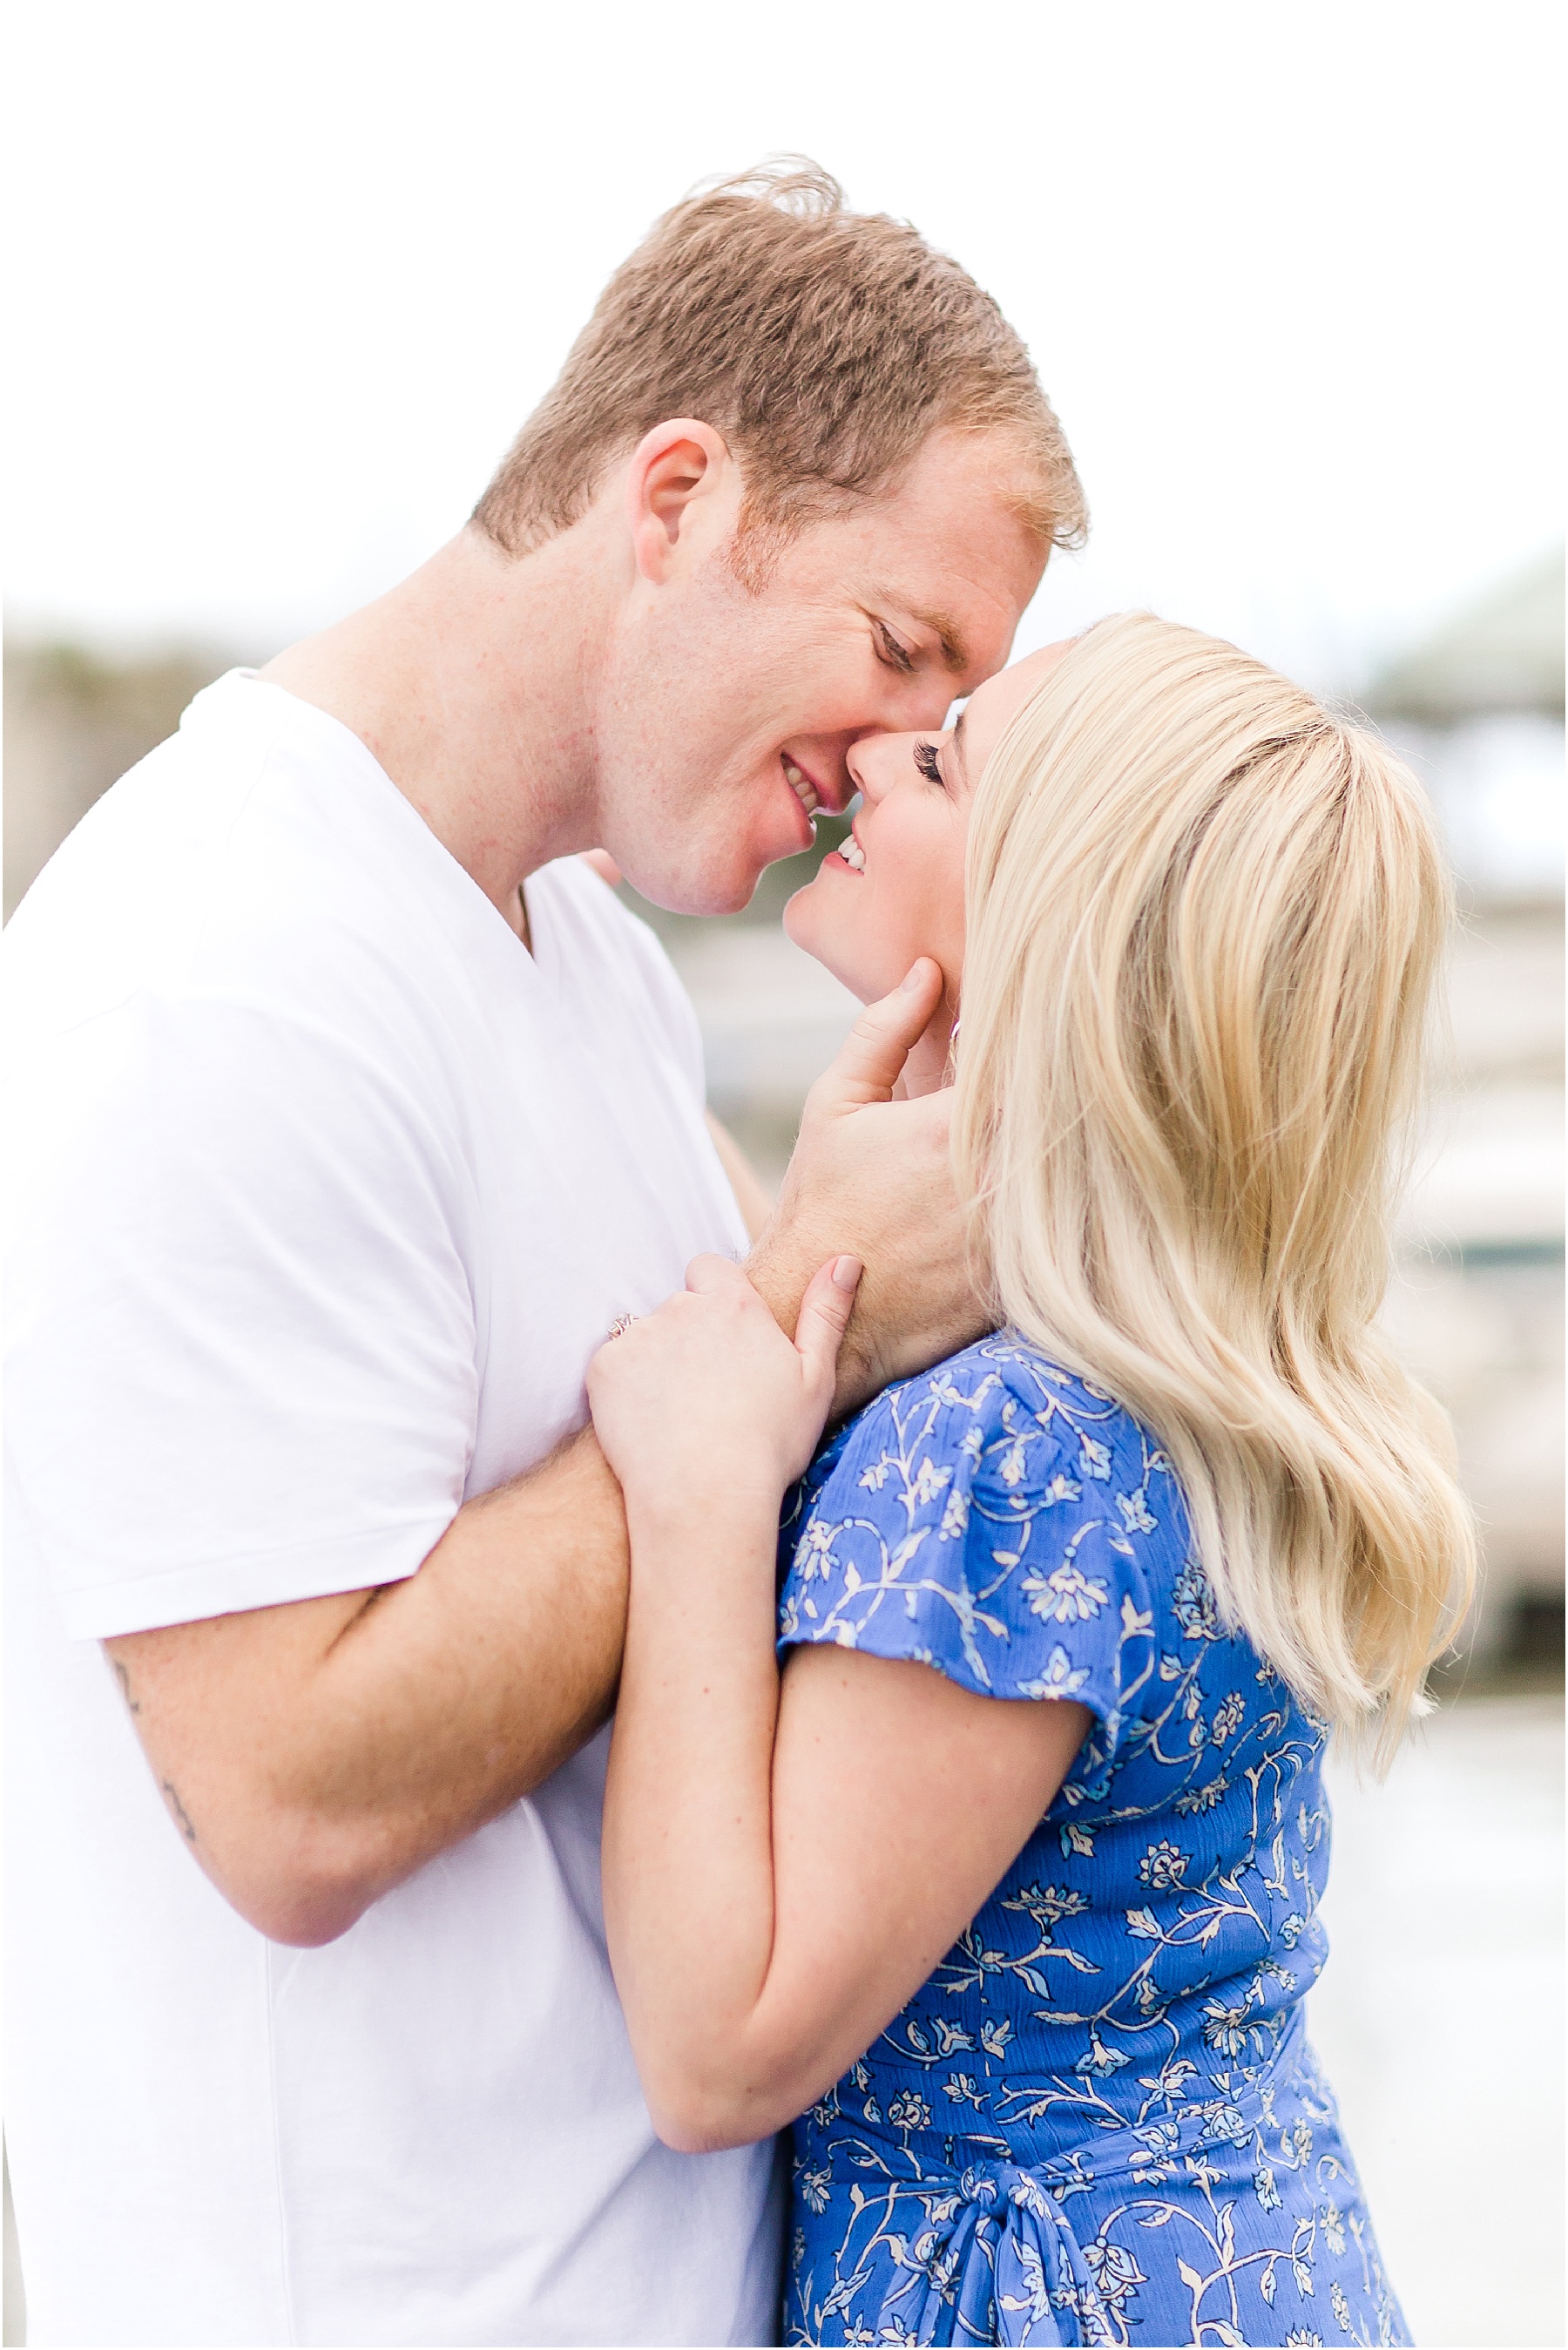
(472, 684)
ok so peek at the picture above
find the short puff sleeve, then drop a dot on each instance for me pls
(989, 1519)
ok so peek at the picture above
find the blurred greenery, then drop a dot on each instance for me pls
(75, 722)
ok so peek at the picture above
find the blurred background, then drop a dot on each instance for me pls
(285, 281)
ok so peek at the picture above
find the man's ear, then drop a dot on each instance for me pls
(682, 494)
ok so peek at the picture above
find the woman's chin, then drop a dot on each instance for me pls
(800, 919)
(810, 924)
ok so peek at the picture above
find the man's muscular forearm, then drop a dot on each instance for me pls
(315, 1754)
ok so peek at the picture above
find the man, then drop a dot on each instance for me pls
(350, 1119)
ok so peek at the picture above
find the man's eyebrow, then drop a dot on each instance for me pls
(955, 654)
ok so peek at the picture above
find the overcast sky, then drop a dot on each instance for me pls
(287, 278)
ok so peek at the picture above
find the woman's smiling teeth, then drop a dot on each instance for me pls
(853, 856)
(802, 786)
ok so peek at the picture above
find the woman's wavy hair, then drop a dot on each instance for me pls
(1205, 921)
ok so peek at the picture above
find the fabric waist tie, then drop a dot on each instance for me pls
(1000, 2260)
(1011, 2269)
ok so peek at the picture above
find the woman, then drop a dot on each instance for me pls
(1008, 1883)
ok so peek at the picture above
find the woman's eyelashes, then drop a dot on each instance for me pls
(927, 760)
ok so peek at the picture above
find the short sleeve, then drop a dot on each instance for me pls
(985, 1520)
(242, 1365)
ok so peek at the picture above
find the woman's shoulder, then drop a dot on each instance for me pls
(1000, 1516)
(983, 1379)
(1021, 1427)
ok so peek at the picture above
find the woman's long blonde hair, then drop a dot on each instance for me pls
(1205, 919)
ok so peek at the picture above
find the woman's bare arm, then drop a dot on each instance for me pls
(782, 1869)
(775, 1895)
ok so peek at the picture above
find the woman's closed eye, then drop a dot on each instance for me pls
(928, 759)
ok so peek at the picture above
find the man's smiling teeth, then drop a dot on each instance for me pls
(853, 856)
(805, 791)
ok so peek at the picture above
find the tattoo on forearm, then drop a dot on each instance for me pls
(181, 1815)
(170, 1792)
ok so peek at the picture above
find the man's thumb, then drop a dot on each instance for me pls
(823, 1317)
(871, 1058)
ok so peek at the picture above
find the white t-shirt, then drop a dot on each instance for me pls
(324, 1192)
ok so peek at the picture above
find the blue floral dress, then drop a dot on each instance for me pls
(1100, 2120)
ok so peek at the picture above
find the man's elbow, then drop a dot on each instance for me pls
(304, 1917)
(303, 1888)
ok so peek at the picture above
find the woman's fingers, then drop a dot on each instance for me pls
(708, 1387)
(871, 1059)
(823, 1317)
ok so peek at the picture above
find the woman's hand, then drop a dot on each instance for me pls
(707, 1397)
(874, 1175)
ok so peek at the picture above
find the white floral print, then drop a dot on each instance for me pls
(1100, 2120)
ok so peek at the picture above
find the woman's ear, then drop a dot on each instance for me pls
(682, 496)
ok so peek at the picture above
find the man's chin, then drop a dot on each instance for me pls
(684, 892)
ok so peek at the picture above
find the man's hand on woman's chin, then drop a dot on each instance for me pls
(872, 1177)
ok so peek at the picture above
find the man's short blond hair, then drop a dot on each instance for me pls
(824, 345)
